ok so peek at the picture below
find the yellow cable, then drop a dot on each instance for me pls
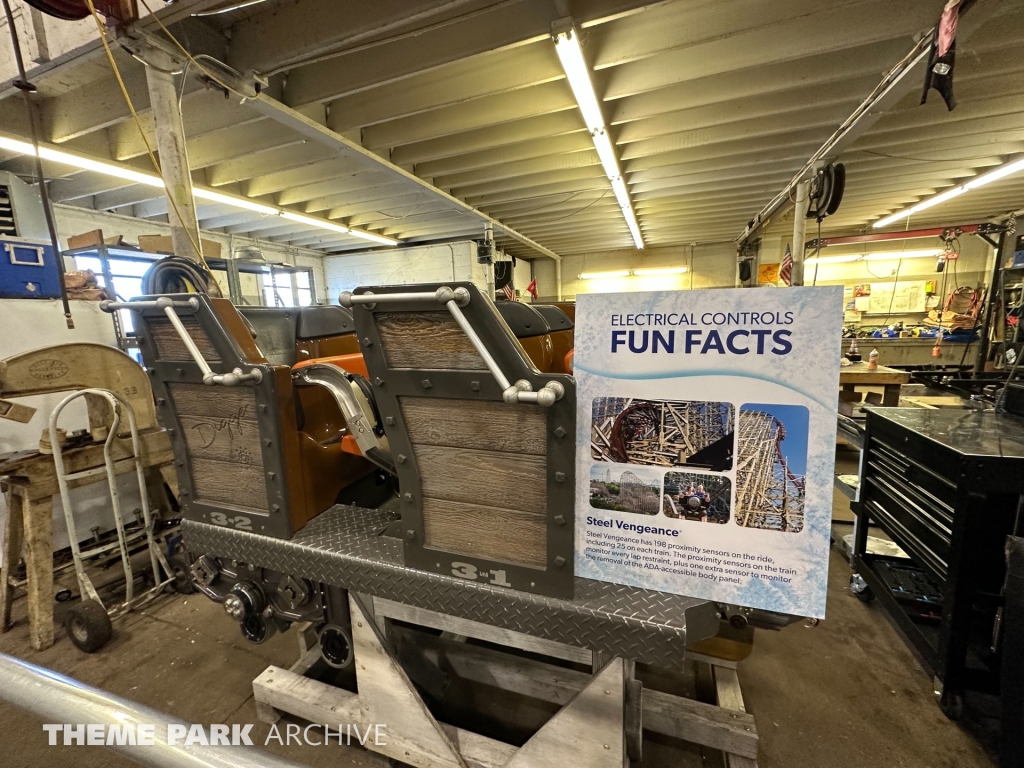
(145, 139)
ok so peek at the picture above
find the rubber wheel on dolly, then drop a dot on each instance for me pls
(182, 571)
(88, 626)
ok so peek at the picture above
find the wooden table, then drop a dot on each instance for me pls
(859, 375)
(29, 480)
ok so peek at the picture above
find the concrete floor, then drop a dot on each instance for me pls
(846, 692)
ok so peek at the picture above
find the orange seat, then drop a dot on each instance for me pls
(352, 363)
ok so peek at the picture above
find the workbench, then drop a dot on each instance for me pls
(856, 375)
(29, 480)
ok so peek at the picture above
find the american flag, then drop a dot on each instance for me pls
(786, 272)
(509, 291)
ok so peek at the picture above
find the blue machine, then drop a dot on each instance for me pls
(28, 269)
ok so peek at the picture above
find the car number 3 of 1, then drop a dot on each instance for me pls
(467, 571)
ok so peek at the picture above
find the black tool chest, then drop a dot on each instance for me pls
(946, 486)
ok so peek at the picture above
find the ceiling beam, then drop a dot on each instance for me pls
(93, 50)
(357, 45)
(542, 127)
(325, 137)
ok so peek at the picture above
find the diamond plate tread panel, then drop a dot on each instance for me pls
(344, 547)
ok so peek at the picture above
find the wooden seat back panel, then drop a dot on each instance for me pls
(169, 345)
(480, 424)
(476, 530)
(428, 340)
(488, 487)
(236, 448)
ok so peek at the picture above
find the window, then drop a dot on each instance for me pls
(126, 271)
(287, 286)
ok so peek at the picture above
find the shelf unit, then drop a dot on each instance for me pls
(120, 269)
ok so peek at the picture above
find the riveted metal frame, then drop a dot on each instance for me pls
(344, 547)
(389, 384)
(276, 520)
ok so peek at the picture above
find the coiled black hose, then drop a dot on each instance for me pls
(175, 274)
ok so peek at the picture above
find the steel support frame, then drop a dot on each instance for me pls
(904, 78)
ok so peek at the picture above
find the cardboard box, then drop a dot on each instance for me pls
(162, 244)
(95, 237)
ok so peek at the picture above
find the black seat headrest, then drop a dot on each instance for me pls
(524, 320)
(331, 320)
(275, 330)
(557, 319)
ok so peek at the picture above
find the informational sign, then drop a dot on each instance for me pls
(768, 273)
(897, 299)
(706, 434)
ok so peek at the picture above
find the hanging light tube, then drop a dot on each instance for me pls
(877, 256)
(126, 173)
(570, 54)
(1001, 172)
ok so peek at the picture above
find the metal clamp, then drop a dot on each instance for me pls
(232, 379)
(453, 299)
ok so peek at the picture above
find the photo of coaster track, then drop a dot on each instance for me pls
(770, 470)
(624, 491)
(664, 433)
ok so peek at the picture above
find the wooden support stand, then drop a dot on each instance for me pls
(30, 483)
(599, 725)
(29, 524)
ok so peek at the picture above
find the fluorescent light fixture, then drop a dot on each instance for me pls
(606, 153)
(312, 222)
(1001, 172)
(373, 238)
(567, 46)
(85, 163)
(832, 259)
(896, 255)
(209, 195)
(660, 271)
(604, 275)
(213, 196)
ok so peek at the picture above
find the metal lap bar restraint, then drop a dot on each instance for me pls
(232, 379)
(520, 392)
(334, 380)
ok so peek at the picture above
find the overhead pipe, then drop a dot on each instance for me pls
(56, 698)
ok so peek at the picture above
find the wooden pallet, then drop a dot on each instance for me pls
(600, 723)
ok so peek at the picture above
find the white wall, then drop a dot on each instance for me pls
(710, 266)
(74, 221)
(437, 263)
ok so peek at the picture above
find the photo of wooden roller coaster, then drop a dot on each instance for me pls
(772, 460)
(625, 491)
(664, 433)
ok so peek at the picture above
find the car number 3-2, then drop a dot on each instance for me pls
(239, 522)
